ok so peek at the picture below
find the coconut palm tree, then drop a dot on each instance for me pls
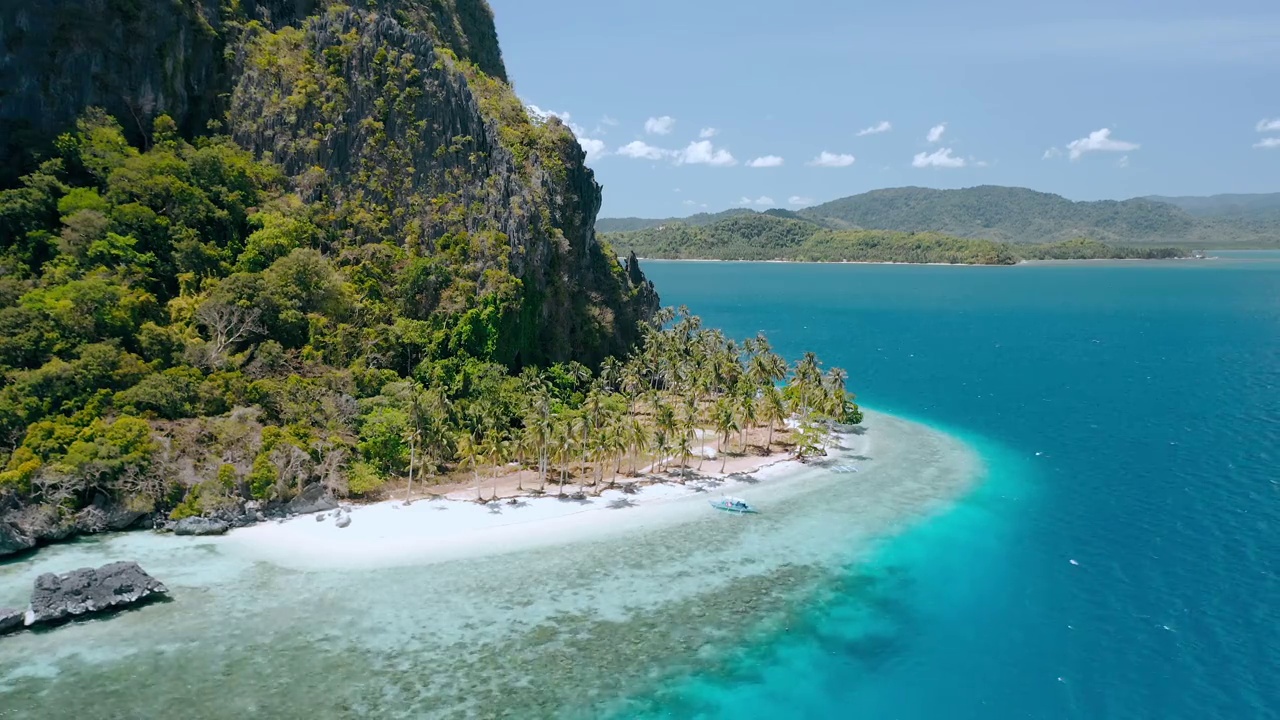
(667, 427)
(773, 409)
(497, 450)
(747, 411)
(470, 452)
(688, 426)
(726, 423)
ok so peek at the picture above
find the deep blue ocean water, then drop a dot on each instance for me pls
(1120, 559)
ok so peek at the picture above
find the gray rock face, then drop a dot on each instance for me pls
(13, 540)
(87, 591)
(312, 499)
(10, 620)
(343, 521)
(105, 516)
(199, 526)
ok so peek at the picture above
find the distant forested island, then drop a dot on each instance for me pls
(781, 235)
(1021, 216)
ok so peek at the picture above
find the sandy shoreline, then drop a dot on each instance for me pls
(453, 526)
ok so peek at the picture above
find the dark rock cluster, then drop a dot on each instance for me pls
(81, 593)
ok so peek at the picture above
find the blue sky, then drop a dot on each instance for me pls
(697, 105)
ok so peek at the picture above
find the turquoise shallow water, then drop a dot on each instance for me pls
(1121, 558)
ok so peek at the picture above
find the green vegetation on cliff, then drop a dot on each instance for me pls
(765, 236)
(182, 333)
(328, 228)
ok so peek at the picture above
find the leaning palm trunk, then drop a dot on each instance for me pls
(408, 495)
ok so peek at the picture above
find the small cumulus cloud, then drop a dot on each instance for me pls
(660, 125)
(702, 152)
(833, 160)
(767, 161)
(1272, 125)
(595, 149)
(1098, 141)
(607, 120)
(1123, 162)
(640, 150)
(883, 126)
(1051, 153)
(708, 133)
(1270, 143)
(799, 200)
(762, 201)
(935, 132)
(940, 158)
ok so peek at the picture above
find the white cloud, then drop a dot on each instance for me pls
(1270, 143)
(980, 163)
(830, 159)
(702, 152)
(935, 132)
(941, 158)
(609, 120)
(1123, 162)
(1098, 141)
(762, 201)
(1051, 153)
(799, 200)
(883, 126)
(708, 133)
(768, 161)
(641, 150)
(1265, 125)
(660, 125)
(540, 115)
(595, 149)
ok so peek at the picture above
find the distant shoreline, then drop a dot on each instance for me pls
(1073, 261)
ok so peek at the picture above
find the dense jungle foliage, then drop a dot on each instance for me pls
(764, 236)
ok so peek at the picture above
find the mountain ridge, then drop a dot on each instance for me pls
(1020, 215)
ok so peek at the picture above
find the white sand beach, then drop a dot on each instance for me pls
(394, 533)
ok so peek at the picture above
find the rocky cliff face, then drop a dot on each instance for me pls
(395, 113)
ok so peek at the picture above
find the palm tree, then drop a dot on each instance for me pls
(561, 448)
(636, 437)
(667, 426)
(747, 410)
(726, 423)
(688, 425)
(470, 451)
(497, 449)
(773, 411)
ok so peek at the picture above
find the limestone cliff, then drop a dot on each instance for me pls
(394, 114)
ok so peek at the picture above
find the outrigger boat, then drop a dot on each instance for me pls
(733, 505)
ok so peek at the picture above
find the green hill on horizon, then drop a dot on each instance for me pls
(766, 236)
(1020, 215)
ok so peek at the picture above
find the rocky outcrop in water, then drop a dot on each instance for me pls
(10, 619)
(200, 526)
(87, 591)
(13, 540)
